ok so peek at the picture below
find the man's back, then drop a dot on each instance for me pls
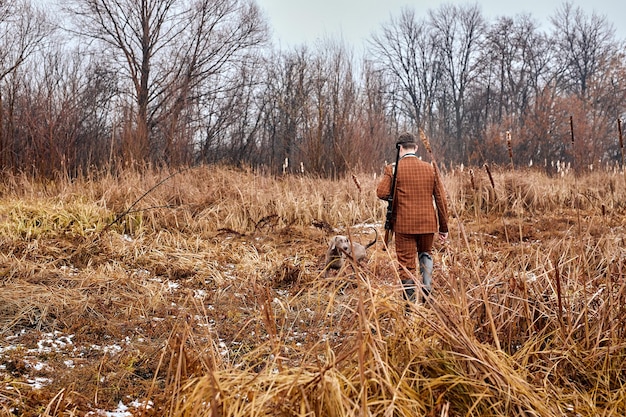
(416, 185)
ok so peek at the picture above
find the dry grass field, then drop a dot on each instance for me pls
(203, 293)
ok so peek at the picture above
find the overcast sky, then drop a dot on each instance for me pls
(305, 21)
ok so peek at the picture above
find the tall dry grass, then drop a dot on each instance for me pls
(213, 284)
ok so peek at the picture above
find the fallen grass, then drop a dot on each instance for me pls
(207, 296)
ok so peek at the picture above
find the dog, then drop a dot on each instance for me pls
(340, 248)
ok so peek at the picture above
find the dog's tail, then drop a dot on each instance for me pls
(375, 238)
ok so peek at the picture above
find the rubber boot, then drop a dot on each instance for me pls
(426, 269)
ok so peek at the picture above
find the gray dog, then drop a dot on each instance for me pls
(340, 247)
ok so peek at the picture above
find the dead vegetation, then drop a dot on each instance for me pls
(208, 297)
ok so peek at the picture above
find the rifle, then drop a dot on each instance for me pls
(389, 218)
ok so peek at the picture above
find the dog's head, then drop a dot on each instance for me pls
(339, 243)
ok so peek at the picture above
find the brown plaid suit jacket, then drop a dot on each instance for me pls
(417, 184)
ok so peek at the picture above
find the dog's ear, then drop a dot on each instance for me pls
(331, 244)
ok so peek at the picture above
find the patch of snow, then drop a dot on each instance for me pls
(38, 383)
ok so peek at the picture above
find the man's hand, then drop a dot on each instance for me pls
(443, 236)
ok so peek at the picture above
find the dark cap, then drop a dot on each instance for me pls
(406, 138)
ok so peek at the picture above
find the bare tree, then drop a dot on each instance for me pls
(231, 116)
(168, 50)
(375, 120)
(585, 43)
(331, 110)
(23, 32)
(589, 80)
(517, 55)
(459, 33)
(516, 60)
(407, 49)
(287, 88)
(315, 113)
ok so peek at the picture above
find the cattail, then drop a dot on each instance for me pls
(493, 185)
(621, 141)
(571, 128)
(508, 144)
(425, 141)
(473, 182)
(356, 182)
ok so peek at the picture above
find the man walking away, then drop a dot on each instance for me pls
(415, 220)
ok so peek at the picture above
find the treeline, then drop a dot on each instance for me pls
(104, 84)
